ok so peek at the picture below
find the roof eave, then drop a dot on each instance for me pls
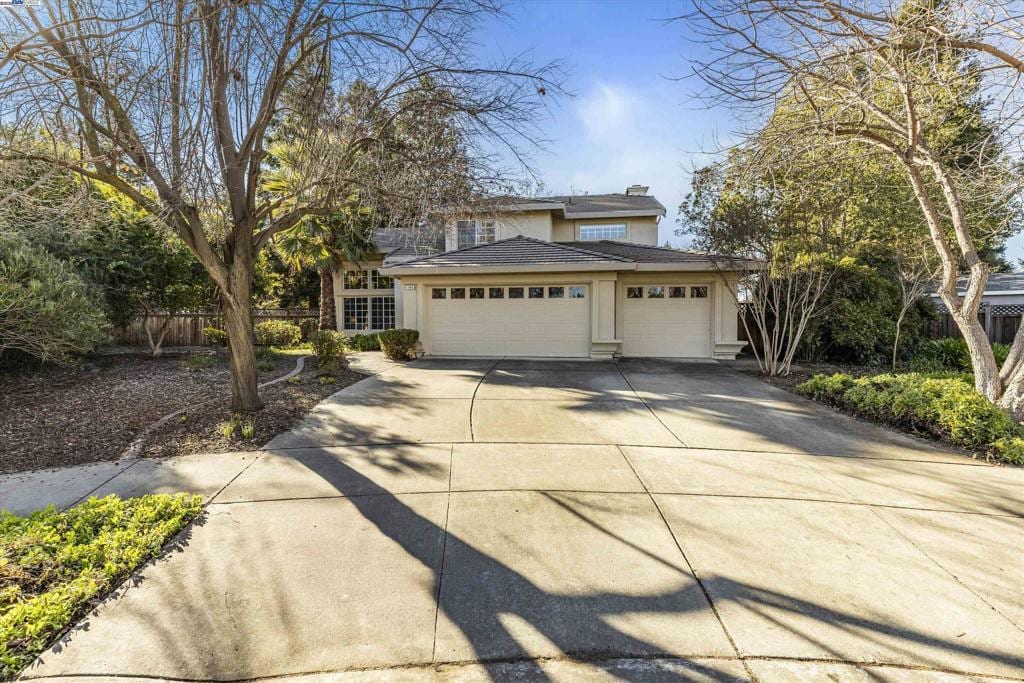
(632, 213)
(400, 270)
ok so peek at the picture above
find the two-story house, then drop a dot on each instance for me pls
(580, 276)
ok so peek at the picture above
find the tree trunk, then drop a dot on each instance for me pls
(328, 320)
(896, 341)
(238, 322)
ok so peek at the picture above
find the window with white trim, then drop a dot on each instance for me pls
(473, 232)
(367, 279)
(604, 231)
(362, 313)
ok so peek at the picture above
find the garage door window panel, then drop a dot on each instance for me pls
(577, 293)
(476, 292)
(536, 292)
(656, 292)
(698, 292)
(458, 292)
(496, 293)
(556, 292)
(634, 292)
(677, 292)
(515, 292)
(438, 293)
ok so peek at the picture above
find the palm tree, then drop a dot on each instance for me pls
(323, 243)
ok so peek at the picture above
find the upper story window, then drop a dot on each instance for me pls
(472, 232)
(367, 279)
(605, 231)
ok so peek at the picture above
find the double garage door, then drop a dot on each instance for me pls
(504, 320)
(663, 320)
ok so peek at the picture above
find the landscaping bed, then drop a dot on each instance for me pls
(941, 405)
(69, 416)
(55, 566)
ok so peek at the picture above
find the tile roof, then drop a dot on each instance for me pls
(401, 244)
(997, 282)
(515, 251)
(641, 253)
(605, 203)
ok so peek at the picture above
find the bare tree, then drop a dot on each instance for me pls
(172, 103)
(887, 79)
(915, 274)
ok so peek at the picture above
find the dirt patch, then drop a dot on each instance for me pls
(199, 429)
(56, 417)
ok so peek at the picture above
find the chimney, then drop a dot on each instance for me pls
(637, 191)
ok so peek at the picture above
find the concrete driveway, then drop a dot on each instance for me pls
(640, 520)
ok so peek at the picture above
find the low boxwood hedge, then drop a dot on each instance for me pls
(941, 404)
(54, 564)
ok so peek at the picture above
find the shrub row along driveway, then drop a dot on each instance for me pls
(640, 520)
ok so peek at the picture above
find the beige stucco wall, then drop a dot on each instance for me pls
(535, 224)
(640, 230)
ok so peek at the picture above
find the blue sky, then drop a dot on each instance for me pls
(629, 122)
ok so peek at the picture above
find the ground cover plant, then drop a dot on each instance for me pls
(939, 404)
(55, 565)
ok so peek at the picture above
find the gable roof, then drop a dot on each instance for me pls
(593, 205)
(582, 205)
(528, 254)
(514, 251)
(642, 253)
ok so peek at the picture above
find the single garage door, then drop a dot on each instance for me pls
(667, 321)
(504, 320)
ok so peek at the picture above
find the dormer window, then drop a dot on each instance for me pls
(473, 232)
(604, 231)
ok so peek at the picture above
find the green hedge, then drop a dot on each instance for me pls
(363, 342)
(398, 344)
(943, 404)
(278, 333)
(54, 564)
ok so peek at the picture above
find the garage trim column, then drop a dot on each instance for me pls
(726, 323)
(603, 343)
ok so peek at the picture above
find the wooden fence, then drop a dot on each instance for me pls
(186, 329)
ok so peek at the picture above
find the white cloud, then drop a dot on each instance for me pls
(606, 110)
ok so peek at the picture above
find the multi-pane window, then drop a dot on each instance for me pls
(606, 231)
(354, 312)
(473, 232)
(367, 279)
(368, 313)
(382, 313)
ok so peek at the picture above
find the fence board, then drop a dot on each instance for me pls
(186, 329)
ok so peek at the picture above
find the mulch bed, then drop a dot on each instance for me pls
(54, 417)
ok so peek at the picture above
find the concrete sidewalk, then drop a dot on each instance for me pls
(474, 520)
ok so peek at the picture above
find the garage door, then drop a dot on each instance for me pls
(667, 321)
(503, 320)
